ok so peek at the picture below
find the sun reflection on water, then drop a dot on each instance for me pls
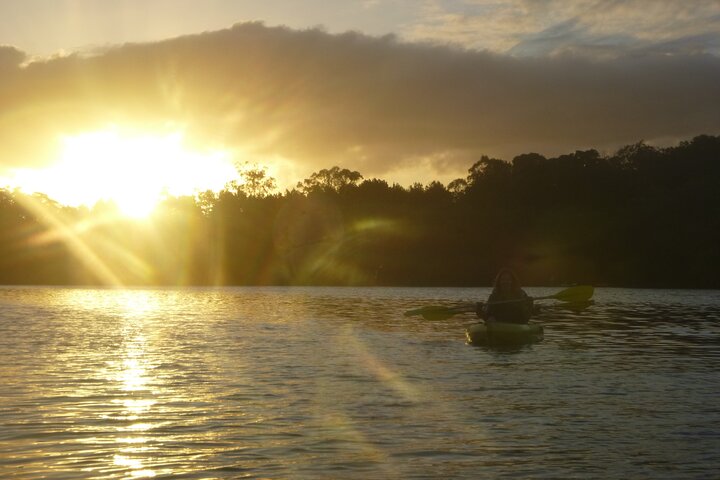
(134, 378)
(135, 465)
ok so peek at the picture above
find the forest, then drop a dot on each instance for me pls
(641, 217)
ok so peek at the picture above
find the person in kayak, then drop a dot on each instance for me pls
(508, 302)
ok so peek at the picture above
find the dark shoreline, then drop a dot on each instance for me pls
(643, 217)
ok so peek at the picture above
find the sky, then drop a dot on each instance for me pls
(404, 90)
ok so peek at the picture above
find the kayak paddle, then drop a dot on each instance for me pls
(441, 312)
(579, 295)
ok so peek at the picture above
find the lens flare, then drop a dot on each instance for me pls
(134, 172)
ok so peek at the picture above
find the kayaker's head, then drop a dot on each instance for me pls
(506, 282)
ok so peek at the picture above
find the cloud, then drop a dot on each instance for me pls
(589, 27)
(10, 58)
(378, 105)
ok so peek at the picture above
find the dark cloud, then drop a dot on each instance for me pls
(372, 104)
(10, 57)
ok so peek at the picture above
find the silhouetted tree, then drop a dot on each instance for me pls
(642, 216)
(257, 183)
(334, 178)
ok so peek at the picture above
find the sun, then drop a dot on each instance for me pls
(134, 172)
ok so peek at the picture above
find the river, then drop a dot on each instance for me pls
(337, 383)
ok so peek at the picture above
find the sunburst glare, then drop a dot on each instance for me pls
(132, 171)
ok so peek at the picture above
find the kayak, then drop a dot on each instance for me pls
(498, 333)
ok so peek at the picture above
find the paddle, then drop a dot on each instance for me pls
(579, 295)
(441, 312)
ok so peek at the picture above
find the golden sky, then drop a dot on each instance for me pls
(402, 90)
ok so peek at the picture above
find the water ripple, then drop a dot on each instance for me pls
(336, 382)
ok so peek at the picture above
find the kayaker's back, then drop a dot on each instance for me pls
(509, 309)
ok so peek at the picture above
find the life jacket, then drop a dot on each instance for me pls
(511, 312)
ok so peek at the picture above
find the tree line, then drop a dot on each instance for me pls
(640, 217)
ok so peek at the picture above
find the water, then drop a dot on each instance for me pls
(337, 383)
